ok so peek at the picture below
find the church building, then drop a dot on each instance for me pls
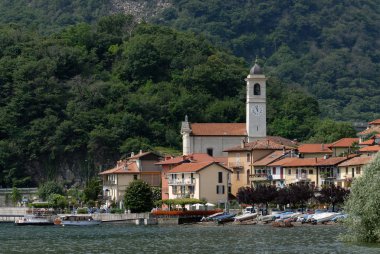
(214, 138)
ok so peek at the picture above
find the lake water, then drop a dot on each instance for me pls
(125, 238)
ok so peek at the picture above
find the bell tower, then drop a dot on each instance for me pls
(256, 116)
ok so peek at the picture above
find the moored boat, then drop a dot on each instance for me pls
(245, 216)
(76, 220)
(36, 220)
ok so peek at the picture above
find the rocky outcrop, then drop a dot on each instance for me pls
(141, 10)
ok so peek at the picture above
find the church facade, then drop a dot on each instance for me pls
(214, 138)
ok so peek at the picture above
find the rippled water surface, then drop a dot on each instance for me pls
(125, 238)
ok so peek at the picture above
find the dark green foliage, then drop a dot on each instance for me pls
(330, 48)
(57, 201)
(332, 195)
(15, 195)
(48, 188)
(328, 131)
(92, 190)
(363, 206)
(138, 197)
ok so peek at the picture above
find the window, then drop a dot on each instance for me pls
(183, 175)
(256, 89)
(220, 177)
(297, 171)
(273, 170)
(174, 190)
(248, 157)
(134, 177)
(311, 171)
(238, 175)
(347, 170)
(220, 189)
(358, 170)
(289, 171)
(338, 170)
(210, 151)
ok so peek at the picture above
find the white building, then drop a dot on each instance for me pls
(214, 138)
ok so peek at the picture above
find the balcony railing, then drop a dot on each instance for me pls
(261, 177)
(184, 195)
(235, 164)
(302, 177)
(109, 183)
(181, 181)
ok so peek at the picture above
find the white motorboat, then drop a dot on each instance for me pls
(267, 218)
(246, 216)
(33, 219)
(323, 217)
(76, 220)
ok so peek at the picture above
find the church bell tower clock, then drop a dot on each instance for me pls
(256, 116)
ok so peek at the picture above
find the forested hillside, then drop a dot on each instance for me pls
(330, 47)
(76, 98)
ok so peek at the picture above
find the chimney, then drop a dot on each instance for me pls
(141, 152)
(132, 154)
(283, 150)
(323, 146)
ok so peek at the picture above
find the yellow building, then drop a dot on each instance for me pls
(314, 150)
(201, 180)
(344, 146)
(350, 169)
(241, 158)
(141, 166)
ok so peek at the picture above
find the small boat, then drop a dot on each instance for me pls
(36, 220)
(212, 217)
(224, 218)
(76, 220)
(323, 217)
(267, 218)
(245, 216)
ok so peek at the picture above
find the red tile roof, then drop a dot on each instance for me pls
(344, 142)
(374, 148)
(281, 162)
(375, 122)
(268, 143)
(368, 142)
(195, 157)
(333, 161)
(356, 161)
(314, 148)
(142, 154)
(269, 158)
(194, 167)
(122, 167)
(218, 129)
(303, 162)
(373, 129)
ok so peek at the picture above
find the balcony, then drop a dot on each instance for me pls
(181, 181)
(302, 178)
(109, 183)
(236, 164)
(325, 175)
(260, 177)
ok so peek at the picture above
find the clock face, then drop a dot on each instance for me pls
(257, 110)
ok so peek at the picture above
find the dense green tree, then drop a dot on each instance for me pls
(332, 195)
(57, 201)
(328, 131)
(363, 206)
(48, 188)
(15, 195)
(92, 190)
(138, 197)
